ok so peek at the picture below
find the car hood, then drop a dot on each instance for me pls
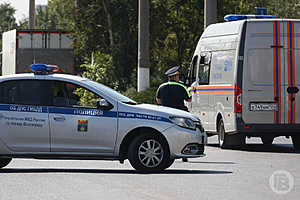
(164, 111)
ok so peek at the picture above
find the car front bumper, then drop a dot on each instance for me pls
(185, 143)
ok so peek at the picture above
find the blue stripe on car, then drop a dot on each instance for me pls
(81, 112)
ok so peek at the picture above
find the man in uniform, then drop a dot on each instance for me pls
(173, 93)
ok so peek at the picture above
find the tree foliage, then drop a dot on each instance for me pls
(100, 68)
(105, 33)
(175, 29)
(58, 14)
(7, 19)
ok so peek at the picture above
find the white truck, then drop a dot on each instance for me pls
(245, 80)
(21, 48)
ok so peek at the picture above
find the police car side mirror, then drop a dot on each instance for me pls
(103, 104)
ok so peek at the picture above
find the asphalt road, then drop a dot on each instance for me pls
(222, 174)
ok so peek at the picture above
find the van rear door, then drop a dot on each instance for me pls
(292, 72)
(270, 85)
(263, 92)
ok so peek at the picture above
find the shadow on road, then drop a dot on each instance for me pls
(106, 171)
(215, 163)
(274, 148)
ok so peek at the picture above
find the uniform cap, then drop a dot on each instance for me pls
(172, 71)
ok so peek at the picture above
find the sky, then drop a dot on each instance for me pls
(22, 7)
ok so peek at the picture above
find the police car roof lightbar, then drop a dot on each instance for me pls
(43, 68)
(229, 18)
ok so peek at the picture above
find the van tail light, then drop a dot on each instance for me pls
(237, 99)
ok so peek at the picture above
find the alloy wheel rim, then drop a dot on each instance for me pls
(150, 153)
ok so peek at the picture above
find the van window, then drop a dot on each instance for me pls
(222, 67)
(193, 70)
(261, 72)
(25, 92)
(204, 69)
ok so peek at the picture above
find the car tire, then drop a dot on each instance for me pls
(149, 153)
(267, 140)
(296, 142)
(222, 137)
(229, 141)
(4, 162)
(168, 164)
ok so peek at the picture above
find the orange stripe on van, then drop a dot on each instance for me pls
(277, 69)
(214, 89)
(291, 70)
(274, 64)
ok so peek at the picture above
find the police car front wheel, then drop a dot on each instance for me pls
(149, 153)
(4, 162)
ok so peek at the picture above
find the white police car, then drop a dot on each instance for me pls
(59, 116)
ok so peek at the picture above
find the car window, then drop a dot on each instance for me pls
(25, 92)
(67, 94)
(110, 92)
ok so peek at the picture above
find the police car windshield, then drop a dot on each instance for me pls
(110, 92)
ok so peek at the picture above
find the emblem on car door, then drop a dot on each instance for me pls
(82, 126)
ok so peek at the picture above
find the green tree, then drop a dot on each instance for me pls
(108, 26)
(7, 19)
(58, 14)
(175, 29)
(105, 29)
(278, 8)
(99, 67)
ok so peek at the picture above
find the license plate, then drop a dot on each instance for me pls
(263, 106)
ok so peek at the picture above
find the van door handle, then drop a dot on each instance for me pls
(250, 90)
(59, 118)
(292, 90)
(276, 46)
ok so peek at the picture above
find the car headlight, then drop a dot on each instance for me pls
(183, 122)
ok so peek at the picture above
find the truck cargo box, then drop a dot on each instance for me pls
(21, 48)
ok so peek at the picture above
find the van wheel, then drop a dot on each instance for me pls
(229, 141)
(4, 162)
(296, 142)
(267, 140)
(149, 153)
(222, 135)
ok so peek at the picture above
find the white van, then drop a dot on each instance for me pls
(245, 80)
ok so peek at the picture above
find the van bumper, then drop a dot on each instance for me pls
(267, 129)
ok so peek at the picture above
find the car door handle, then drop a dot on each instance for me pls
(59, 118)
